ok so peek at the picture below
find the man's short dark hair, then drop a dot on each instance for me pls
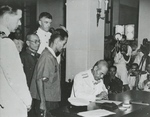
(45, 14)
(7, 9)
(29, 36)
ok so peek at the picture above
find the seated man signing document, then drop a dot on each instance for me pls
(88, 85)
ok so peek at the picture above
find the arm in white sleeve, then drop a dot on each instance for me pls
(79, 90)
(13, 69)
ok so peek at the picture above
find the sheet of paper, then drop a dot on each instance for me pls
(96, 113)
(78, 102)
(109, 101)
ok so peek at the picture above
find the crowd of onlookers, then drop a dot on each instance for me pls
(129, 67)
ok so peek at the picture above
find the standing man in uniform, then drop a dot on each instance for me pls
(29, 57)
(89, 84)
(45, 20)
(15, 98)
(45, 85)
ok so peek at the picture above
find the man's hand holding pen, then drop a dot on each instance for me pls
(102, 96)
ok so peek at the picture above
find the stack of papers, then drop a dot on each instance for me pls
(96, 113)
(108, 101)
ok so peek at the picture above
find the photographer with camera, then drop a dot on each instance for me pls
(122, 54)
(143, 54)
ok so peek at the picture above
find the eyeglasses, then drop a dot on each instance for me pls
(36, 41)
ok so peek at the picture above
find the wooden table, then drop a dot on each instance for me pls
(136, 110)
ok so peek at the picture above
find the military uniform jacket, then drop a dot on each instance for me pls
(15, 97)
(86, 87)
(47, 67)
(29, 60)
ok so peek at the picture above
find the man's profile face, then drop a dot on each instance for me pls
(14, 20)
(99, 72)
(61, 44)
(45, 23)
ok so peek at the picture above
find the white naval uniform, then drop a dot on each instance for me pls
(44, 39)
(15, 97)
(86, 87)
(120, 63)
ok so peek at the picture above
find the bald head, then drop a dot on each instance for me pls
(101, 63)
(99, 69)
(29, 36)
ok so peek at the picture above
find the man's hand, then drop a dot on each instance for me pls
(102, 95)
(28, 108)
(43, 108)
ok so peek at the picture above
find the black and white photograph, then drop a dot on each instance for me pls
(74, 58)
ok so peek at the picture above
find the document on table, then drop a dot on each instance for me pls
(96, 113)
(109, 101)
(78, 101)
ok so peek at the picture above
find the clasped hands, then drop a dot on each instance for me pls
(102, 96)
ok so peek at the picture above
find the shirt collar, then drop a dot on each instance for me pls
(42, 31)
(4, 29)
(52, 51)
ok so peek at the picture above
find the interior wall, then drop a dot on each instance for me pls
(125, 12)
(144, 20)
(55, 8)
(86, 41)
(115, 15)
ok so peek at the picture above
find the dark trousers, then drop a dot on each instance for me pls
(36, 111)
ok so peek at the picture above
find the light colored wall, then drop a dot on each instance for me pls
(86, 41)
(144, 20)
(55, 8)
(115, 19)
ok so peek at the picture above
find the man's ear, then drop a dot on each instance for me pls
(28, 43)
(95, 68)
(39, 22)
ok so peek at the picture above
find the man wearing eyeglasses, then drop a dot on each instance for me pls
(29, 56)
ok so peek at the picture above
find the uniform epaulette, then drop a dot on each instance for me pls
(84, 75)
(143, 72)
